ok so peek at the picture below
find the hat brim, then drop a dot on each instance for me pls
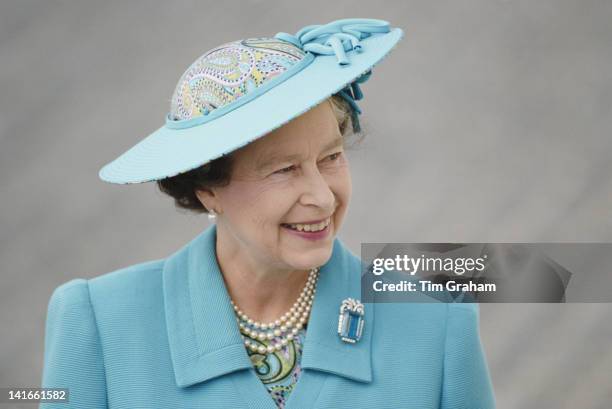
(168, 152)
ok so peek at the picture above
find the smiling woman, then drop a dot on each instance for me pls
(261, 309)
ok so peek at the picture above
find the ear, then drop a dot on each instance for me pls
(209, 199)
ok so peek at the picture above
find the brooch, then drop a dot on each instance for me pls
(350, 321)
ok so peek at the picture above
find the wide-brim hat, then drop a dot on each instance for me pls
(242, 90)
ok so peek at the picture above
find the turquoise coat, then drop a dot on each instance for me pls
(163, 334)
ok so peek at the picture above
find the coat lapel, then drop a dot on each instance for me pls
(205, 342)
(204, 339)
(323, 349)
(324, 353)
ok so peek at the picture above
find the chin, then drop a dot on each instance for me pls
(312, 259)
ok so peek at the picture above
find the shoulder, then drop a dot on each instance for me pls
(462, 321)
(127, 279)
(467, 309)
(432, 322)
(71, 293)
(120, 283)
(441, 311)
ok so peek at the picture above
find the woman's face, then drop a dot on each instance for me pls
(297, 174)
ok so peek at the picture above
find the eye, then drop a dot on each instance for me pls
(286, 170)
(334, 156)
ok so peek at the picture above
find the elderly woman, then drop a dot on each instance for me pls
(261, 310)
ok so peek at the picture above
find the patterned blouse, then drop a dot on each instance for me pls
(280, 370)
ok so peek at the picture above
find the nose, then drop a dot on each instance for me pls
(317, 191)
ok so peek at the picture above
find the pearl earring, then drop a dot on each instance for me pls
(211, 214)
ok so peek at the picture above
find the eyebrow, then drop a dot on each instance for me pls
(266, 160)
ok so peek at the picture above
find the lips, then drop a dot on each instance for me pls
(311, 222)
(308, 228)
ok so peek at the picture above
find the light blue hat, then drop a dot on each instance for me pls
(242, 90)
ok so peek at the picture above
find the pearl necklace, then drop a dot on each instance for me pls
(285, 328)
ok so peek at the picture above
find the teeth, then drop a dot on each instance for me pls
(311, 227)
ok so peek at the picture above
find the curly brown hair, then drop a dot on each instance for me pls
(217, 173)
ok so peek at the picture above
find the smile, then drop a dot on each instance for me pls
(309, 227)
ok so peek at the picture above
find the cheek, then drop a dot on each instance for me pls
(341, 184)
(261, 204)
(348, 183)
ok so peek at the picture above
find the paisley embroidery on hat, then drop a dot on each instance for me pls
(228, 72)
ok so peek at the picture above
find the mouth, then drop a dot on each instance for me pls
(308, 227)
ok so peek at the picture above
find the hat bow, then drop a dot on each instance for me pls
(339, 37)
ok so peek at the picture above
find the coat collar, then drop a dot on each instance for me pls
(203, 335)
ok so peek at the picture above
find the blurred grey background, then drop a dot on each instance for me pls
(490, 122)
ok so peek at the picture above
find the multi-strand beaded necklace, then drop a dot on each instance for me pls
(282, 330)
